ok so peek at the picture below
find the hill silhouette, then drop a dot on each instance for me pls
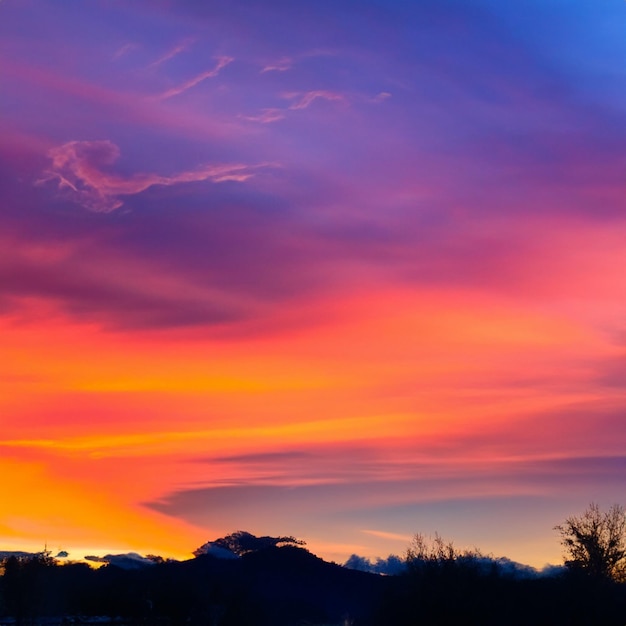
(286, 585)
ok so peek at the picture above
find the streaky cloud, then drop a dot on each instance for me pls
(282, 65)
(267, 116)
(173, 52)
(125, 50)
(263, 457)
(222, 62)
(303, 100)
(381, 96)
(387, 535)
(79, 167)
(286, 63)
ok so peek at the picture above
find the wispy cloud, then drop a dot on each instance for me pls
(282, 65)
(222, 62)
(381, 97)
(286, 63)
(124, 50)
(267, 116)
(79, 168)
(175, 51)
(302, 100)
(386, 535)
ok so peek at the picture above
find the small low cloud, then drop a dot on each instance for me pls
(512, 569)
(393, 565)
(550, 570)
(130, 560)
(216, 551)
(80, 170)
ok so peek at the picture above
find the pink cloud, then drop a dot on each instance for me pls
(124, 50)
(175, 51)
(282, 65)
(304, 100)
(17, 145)
(381, 97)
(79, 167)
(126, 107)
(221, 63)
(286, 63)
(267, 116)
(387, 535)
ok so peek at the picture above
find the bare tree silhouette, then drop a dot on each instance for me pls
(595, 542)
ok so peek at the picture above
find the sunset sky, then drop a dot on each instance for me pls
(344, 270)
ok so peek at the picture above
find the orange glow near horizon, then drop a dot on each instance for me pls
(389, 369)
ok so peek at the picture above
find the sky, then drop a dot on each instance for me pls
(347, 271)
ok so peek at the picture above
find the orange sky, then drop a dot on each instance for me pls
(100, 424)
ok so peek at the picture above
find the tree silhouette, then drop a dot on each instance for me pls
(26, 585)
(595, 542)
(242, 542)
(438, 552)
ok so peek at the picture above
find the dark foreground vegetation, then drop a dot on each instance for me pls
(288, 585)
(246, 580)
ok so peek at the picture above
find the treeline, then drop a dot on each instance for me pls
(463, 591)
(243, 580)
(288, 585)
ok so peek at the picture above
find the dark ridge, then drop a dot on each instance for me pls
(290, 586)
